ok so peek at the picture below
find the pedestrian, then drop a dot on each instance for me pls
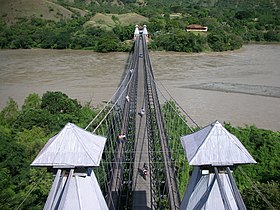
(127, 98)
(142, 112)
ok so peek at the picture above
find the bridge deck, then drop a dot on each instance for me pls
(141, 187)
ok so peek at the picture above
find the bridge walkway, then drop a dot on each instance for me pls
(141, 186)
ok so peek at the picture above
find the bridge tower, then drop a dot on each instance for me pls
(136, 32)
(213, 152)
(71, 155)
(145, 32)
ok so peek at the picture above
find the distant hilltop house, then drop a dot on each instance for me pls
(196, 27)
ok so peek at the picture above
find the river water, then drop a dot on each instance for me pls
(240, 87)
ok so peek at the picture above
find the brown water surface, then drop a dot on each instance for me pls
(241, 87)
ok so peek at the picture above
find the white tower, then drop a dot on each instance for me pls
(145, 32)
(136, 31)
(71, 155)
(213, 151)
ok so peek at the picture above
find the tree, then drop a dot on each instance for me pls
(106, 44)
(34, 117)
(32, 101)
(221, 41)
(272, 36)
(32, 139)
(270, 190)
(124, 32)
(234, 42)
(243, 14)
(10, 112)
(58, 102)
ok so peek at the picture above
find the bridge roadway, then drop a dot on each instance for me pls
(149, 131)
(158, 123)
(147, 128)
(141, 189)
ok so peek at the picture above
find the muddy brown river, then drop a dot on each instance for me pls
(240, 87)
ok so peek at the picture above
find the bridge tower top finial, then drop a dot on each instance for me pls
(136, 31)
(145, 31)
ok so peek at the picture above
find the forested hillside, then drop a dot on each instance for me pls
(25, 130)
(62, 24)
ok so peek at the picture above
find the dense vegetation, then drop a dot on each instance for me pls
(264, 146)
(24, 132)
(255, 182)
(230, 23)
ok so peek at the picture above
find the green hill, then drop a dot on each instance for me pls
(12, 11)
(85, 23)
(109, 21)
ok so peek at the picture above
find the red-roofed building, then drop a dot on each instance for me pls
(196, 27)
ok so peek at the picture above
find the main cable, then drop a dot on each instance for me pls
(114, 104)
(106, 103)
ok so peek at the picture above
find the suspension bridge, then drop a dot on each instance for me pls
(144, 142)
(141, 163)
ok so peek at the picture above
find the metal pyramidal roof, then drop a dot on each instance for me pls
(79, 191)
(71, 147)
(214, 145)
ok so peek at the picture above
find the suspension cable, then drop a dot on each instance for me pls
(176, 111)
(179, 105)
(30, 191)
(106, 103)
(175, 102)
(114, 104)
(257, 190)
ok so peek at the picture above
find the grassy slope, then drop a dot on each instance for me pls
(106, 21)
(78, 11)
(13, 10)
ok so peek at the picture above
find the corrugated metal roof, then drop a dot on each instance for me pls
(71, 147)
(214, 145)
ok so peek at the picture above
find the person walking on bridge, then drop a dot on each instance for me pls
(142, 112)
